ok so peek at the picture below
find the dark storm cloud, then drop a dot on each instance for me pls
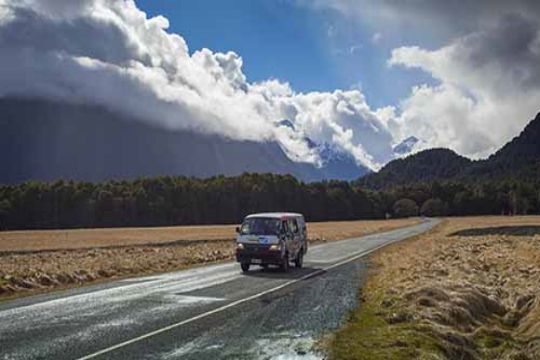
(513, 43)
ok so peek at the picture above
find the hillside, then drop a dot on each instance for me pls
(433, 164)
(44, 140)
(519, 158)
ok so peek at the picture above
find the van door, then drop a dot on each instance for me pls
(296, 235)
(288, 238)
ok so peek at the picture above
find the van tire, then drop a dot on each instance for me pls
(299, 261)
(245, 267)
(285, 263)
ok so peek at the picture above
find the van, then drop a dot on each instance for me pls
(271, 239)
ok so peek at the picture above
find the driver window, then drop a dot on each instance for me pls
(294, 226)
(284, 227)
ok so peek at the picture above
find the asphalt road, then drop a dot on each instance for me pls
(204, 313)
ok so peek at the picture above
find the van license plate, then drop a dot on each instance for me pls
(256, 261)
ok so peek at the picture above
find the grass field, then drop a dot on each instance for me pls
(32, 261)
(33, 240)
(469, 289)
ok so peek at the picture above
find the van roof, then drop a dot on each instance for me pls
(277, 215)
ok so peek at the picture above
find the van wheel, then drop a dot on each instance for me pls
(299, 261)
(285, 263)
(244, 266)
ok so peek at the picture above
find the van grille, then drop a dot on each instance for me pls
(254, 248)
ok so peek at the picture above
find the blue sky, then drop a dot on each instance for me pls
(313, 50)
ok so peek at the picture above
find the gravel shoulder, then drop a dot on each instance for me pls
(468, 289)
(40, 261)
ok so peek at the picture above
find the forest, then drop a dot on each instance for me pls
(222, 200)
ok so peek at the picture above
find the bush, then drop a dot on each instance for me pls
(433, 207)
(405, 208)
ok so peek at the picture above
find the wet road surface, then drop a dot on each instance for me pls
(209, 312)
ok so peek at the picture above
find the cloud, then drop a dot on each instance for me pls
(489, 87)
(108, 52)
(441, 19)
(376, 38)
(484, 56)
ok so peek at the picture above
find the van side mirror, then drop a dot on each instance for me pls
(237, 230)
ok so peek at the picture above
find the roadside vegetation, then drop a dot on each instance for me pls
(34, 261)
(469, 289)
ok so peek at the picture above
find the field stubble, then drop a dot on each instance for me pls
(34, 261)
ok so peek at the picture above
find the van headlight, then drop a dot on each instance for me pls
(240, 246)
(275, 247)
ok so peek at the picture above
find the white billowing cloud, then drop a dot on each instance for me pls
(489, 87)
(487, 68)
(335, 118)
(107, 52)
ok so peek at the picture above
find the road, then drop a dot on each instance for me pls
(203, 313)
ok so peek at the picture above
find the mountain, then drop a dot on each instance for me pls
(336, 161)
(46, 140)
(522, 148)
(336, 164)
(519, 158)
(426, 165)
(521, 154)
(406, 146)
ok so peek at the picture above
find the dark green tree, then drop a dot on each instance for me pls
(433, 207)
(405, 208)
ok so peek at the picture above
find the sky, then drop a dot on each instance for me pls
(312, 49)
(357, 75)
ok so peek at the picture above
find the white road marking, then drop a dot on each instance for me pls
(188, 299)
(237, 302)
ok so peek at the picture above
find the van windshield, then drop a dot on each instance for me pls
(260, 226)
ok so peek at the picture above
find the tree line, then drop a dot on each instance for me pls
(224, 200)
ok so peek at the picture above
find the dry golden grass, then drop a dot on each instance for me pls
(89, 238)
(452, 294)
(339, 230)
(33, 261)
(33, 240)
(26, 273)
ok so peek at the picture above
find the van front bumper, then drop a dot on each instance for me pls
(258, 254)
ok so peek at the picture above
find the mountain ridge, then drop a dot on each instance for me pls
(519, 157)
(46, 140)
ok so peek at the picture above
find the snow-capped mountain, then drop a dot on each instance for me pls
(336, 161)
(407, 146)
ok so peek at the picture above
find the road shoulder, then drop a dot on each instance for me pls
(467, 289)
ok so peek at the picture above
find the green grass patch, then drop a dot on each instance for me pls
(368, 335)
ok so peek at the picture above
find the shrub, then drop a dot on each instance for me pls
(405, 208)
(433, 207)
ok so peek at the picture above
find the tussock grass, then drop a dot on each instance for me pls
(451, 297)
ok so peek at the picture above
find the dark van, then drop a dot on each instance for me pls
(271, 239)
